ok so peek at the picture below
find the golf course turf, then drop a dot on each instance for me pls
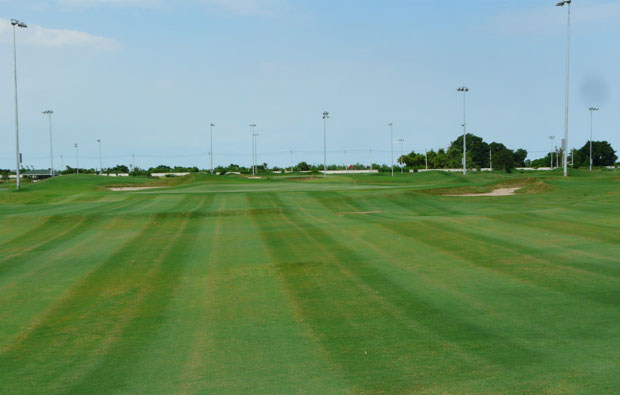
(354, 284)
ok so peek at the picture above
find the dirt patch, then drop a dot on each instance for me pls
(121, 189)
(495, 192)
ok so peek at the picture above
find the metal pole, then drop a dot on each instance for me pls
(49, 113)
(17, 154)
(391, 125)
(253, 150)
(401, 155)
(211, 150)
(100, 161)
(568, 2)
(325, 117)
(77, 160)
(592, 109)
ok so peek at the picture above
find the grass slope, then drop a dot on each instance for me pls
(359, 284)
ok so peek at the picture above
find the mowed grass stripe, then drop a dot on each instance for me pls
(324, 271)
(30, 292)
(98, 314)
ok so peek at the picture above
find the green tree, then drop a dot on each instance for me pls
(603, 154)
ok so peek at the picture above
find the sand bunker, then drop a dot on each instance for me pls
(120, 189)
(496, 192)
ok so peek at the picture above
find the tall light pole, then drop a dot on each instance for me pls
(464, 89)
(18, 161)
(253, 125)
(211, 149)
(551, 138)
(100, 161)
(49, 113)
(325, 118)
(561, 4)
(77, 159)
(592, 109)
(401, 154)
(391, 125)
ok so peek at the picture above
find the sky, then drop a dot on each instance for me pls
(147, 77)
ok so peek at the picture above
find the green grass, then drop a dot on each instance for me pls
(354, 284)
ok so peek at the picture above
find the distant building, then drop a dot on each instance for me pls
(37, 174)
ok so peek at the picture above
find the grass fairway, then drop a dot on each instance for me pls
(359, 284)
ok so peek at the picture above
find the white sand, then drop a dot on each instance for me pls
(120, 189)
(496, 192)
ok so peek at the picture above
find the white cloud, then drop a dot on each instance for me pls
(551, 18)
(46, 37)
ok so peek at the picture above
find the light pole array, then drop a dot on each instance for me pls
(391, 126)
(325, 118)
(401, 154)
(211, 149)
(77, 159)
(49, 113)
(18, 161)
(100, 160)
(561, 4)
(464, 89)
(592, 109)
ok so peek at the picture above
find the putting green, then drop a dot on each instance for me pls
(351, 284)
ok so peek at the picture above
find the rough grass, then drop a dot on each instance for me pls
(229, 285)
